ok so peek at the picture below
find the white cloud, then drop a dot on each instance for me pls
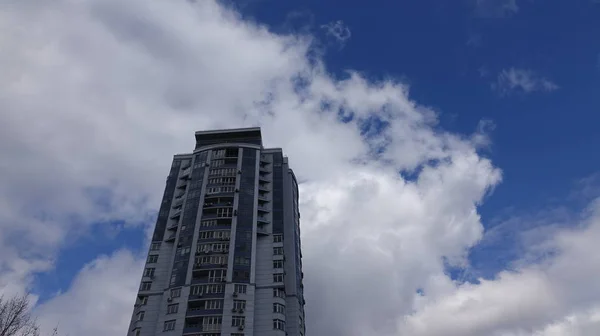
(555, 297)
(523, 80)
(338, 30)
(99, 301)
(100, 95)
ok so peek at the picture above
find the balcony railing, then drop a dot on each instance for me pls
(262, 231)
(176, 214)
(185, 173)
(178, 202)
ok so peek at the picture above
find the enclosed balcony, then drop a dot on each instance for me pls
(216, 202)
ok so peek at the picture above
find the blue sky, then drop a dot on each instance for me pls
(135, 80)
(541, 140)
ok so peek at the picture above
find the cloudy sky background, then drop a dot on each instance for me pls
(96, 97)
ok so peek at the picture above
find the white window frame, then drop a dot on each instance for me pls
(278, 277)
(239, 304)
(240, 289)
(213, 304)
(169, 325)
(278, 324)
(149, 272)
(173, 308)
(238, 321)
(278, 308)
(146, 286)
(175, 292)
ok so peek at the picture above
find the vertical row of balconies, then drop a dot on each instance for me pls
(264, 190)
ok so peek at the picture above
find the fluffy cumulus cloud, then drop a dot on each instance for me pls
(522, 80)
(97, 96)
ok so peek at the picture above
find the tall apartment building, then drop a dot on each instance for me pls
(225, 256)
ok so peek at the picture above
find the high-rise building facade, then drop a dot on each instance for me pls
(225, 256)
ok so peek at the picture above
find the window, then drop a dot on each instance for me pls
(217, 154)
(208, 223)
(169, 325)
(277, 263)
(240, 289)
(211, 323)
(184, 251)
(140, 315)
(143, 300)
(155, 246)
(172, 308)
(149, 272)
(224, 212)
(220, 247)
(214, 289)
(146, 285)
(278, 292)
(237, 334)
(197, 290)
(173, 279)
(237, 321)
(278, 277)
(216, 275)
(278, 250)
(277, 238)
(152, 259)
(176, 292)
(239, 304)
(214, 260)
(137, 332)
(242, 261)
(222, 172)
(208, 289)
(217, 163)
(213, 304)
(278, 308)
(278, 324)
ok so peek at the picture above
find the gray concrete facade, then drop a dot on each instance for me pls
(225, 257)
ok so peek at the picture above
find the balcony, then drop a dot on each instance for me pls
(261, 231)
(171, 237)
(197, 312)
(197, 327)
(199, 267)
(186, 173)
(177, 203)
(263, 208)
(176, 214)
(262, 220)
(173, 226)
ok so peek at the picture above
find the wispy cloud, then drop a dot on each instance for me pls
(496, 8)
(338, 30)
(524, 80)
